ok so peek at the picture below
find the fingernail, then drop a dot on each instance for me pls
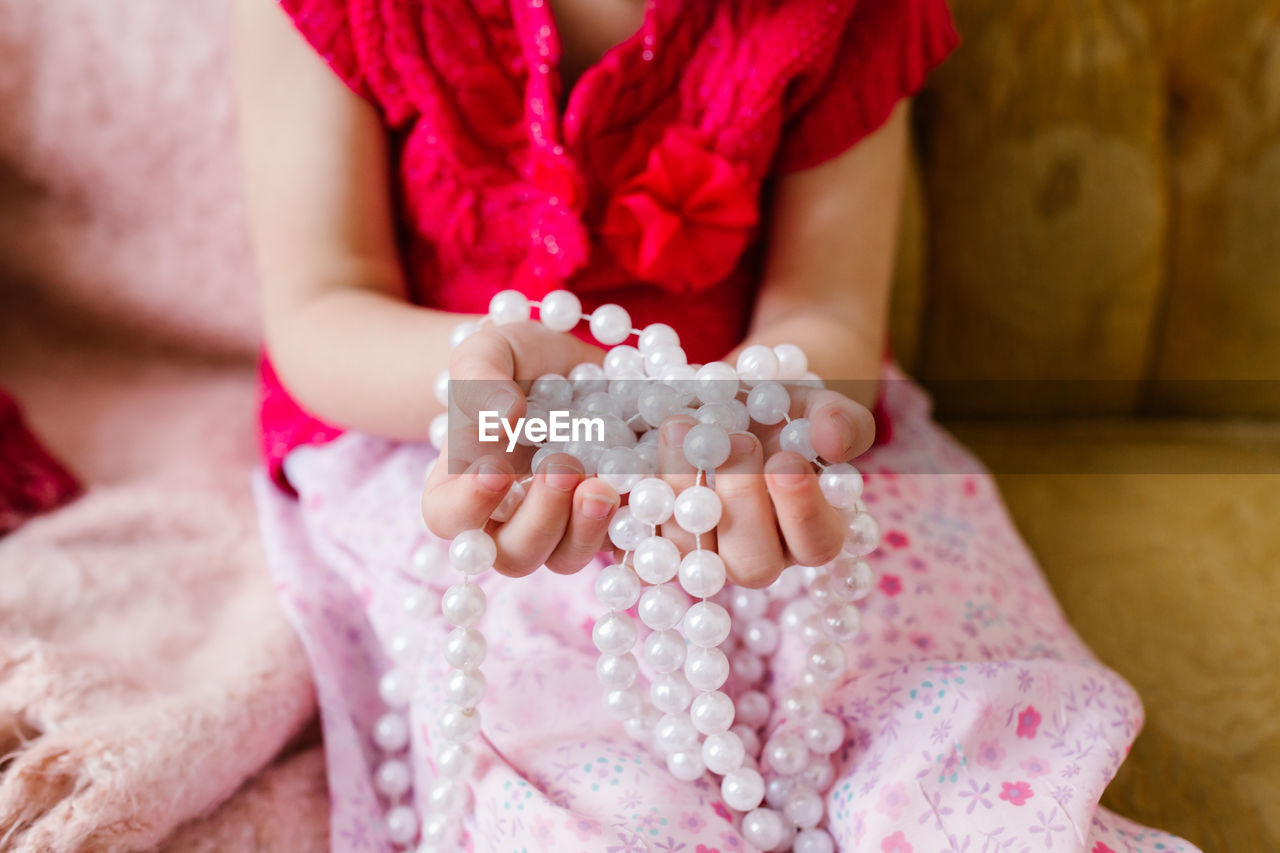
(562, 477)
(789, 470)
(741, 444)
(848, 430)
(598, 507)
(491, 477)
(502, 402)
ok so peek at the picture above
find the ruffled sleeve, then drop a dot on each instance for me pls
(888, 48)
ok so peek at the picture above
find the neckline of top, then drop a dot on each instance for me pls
(549, 125)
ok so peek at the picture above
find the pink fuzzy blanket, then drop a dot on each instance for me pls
(152, 696)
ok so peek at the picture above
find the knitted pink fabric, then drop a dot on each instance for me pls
(646, 188)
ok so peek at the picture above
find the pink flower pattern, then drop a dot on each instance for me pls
(1016, 793)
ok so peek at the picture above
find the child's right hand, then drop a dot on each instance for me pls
(564, 519)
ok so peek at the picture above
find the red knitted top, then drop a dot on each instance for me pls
(647, 189)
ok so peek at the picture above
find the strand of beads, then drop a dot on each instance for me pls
(686, 714)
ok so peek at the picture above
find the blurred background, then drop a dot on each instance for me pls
(1089, 284)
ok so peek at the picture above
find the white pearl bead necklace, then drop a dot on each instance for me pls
(692, 648)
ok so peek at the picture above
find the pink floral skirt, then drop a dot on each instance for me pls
(978, 719)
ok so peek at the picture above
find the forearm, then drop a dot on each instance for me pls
(364, 359)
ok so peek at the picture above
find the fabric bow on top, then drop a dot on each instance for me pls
(684, 221)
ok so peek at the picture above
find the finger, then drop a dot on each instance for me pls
(747, 537)
(482, 377)
(528, 539)
(810, 526)
(593, 505)
(680, 475)
(452, 503)
(839, 428)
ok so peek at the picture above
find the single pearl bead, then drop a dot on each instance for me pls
(617, 671)
(624, 362)
(392, 778)
(757, 363)
(455, 761)
(599, 404)
(761, 636)
(656, 403)
(723, 752)
(465, 648)
(748, 667)
(841, 621)
(552, 390)
(640, 727)
(706, 624)
(402, 824)
(428, 562)
(618, 587)
(702, 573)
(750, 740)
(648, 453)
(811, 630)
(616, 433)
(560, 311)
(660, 359)
(465, 688)
(401, 646)
(800, 704)
(686, 765)
(675, 733)
(786, 753)
(716, 382)
(824, 734)
(819, 774)
(792, 362)
(508, 306)
(749, 604)
(652, 500)
(627, 393)
(764, 828)
(841, 484)
(461, 332)
(463, 604)
(698, 509)
(446, 795)
(656, 559)
(852, 578)
(391, 733)
(614, 633)
(472, 552)
(822, 592)
(706, 446)
(826, 660)
(804, 807)
(394, 688)
(742, 789)
(662, 606)
(626, 531)
(438, 431)
(706, 669)
(671, 692)
(768, 403)
(657, 335)
(795, 613)
(861, 534)
(510, 503)
(754, 708)
(624, 703)
(681, 378)
(813, 841)
(795, 437)
(441, 388)
(588, 378)
(712, 712)
(610, 324)
(440, 831)
(664, 651)
(460, 725)
(621, 468)
(723, 415)
(776, 790)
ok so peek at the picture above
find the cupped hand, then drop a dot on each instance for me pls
(774, 512)
(563, 520)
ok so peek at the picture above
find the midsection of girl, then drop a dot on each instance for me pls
(731, 168)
